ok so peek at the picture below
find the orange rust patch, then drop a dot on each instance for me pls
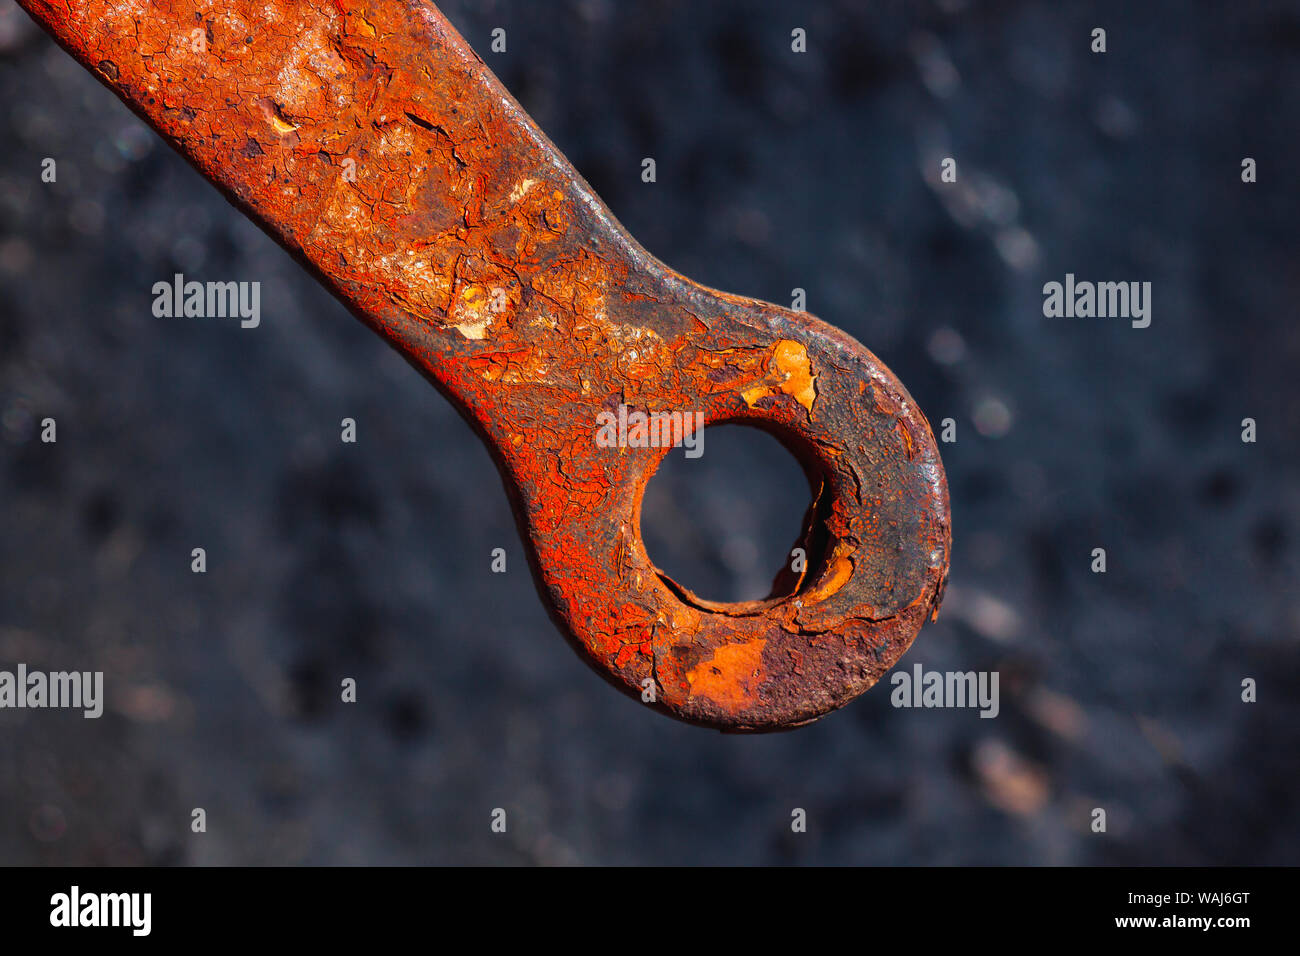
(731, 676)
(791, 359)
(791, 374)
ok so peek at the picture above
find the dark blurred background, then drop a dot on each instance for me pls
(776, 170)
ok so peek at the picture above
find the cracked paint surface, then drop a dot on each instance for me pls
(371, 142)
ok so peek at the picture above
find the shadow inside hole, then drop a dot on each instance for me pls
(723, 525)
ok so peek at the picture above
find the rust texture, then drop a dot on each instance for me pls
(375, 145)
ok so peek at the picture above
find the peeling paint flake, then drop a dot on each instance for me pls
(838, 573)
(790, 374)
(521, 189)
(474, 330)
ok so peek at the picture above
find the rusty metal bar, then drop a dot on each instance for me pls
(371, 141)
